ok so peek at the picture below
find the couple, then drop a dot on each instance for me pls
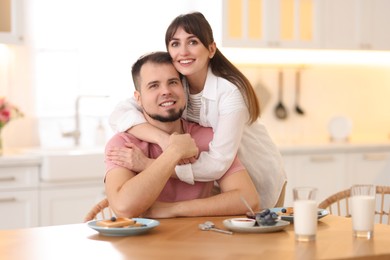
(219, 96)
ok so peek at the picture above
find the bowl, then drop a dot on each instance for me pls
(243, 222)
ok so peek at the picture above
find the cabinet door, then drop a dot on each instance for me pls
(326, 172)
(340, 24)
(271, 23)
(19, 209)
(374, 32)
(369, 167)
(10, 21)
(355, 24)
(67, 205)
(18, 177)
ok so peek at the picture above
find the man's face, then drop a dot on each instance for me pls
(161, 92)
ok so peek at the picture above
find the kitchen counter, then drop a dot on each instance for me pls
(19, 159)
(43, 187)
(324, 146)
(35, 155)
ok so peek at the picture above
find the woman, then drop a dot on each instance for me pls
(221, 97)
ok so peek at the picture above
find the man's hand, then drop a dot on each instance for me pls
(184, 145)
(130, 157)
(160, 210)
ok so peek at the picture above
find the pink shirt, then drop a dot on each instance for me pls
(176, 190)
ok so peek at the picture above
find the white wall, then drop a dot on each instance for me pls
(76, 47)
(96, 43)
(361, 93)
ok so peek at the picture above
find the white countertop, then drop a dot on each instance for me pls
(24, 156)
(320, 147)
(11, 158)
(35, 155)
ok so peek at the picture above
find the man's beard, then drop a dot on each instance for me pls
(173, 116)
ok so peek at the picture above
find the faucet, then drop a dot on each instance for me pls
(76, 133)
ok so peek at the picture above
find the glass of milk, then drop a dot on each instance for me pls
(363, 210)
(305, 213)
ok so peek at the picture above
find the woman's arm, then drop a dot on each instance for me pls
(228, 122)
(213, 164)
(128, 117)
(126, 114)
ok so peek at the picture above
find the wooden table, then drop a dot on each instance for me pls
(181, 239)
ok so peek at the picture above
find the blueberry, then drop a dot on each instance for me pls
(283, 210)
(113, 219)
(266, 217)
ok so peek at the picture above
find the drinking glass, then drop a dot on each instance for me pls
(305, 213)
(363, 210)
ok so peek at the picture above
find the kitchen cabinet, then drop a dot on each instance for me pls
(325, 171)
(29, 199)
(11, 21)
(19, 196)
(369, 167)
(355, 24)
(271, 23)
(68, 203)
(332, 170)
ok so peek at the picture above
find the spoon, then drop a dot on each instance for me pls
(280, 110)
(208, 225)
(247, 205)
(298, 109)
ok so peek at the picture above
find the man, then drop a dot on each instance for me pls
(153, 192)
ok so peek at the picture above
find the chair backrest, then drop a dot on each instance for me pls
(101, 210)
(339, 204)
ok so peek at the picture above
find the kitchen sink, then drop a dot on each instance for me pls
(70, 164)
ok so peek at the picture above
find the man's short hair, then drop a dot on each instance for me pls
(159, 57)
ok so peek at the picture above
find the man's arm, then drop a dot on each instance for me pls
(131, 194)
(226, 203)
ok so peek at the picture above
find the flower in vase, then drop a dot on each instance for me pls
(8, 112)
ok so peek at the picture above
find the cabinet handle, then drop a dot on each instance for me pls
(374, 156)
(4, 200)
(7, 179)
(319, 159)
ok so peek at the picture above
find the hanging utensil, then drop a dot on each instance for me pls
(280, 110)
(298, 109)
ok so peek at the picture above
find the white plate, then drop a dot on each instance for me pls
(280, 225)
(130, 231)
(321, 213)
(340, 128)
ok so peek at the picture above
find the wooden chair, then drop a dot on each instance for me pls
(100, 211)
(338, 204)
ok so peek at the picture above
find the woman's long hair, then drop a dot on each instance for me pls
(195, 23)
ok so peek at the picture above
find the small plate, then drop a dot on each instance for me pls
(130, 231)
(280, 225)
(243, 222)
(323, 212)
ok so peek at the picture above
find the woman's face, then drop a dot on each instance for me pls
(188, 53)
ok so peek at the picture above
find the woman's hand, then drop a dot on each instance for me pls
(130, 157)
